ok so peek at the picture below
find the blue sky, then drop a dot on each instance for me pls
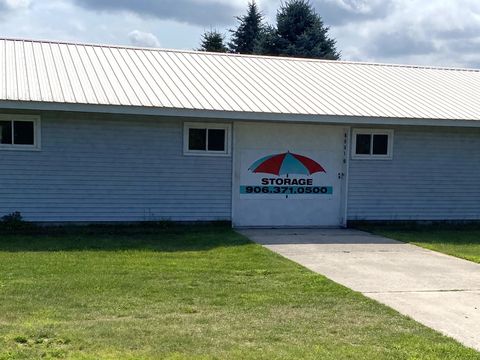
(431, 32)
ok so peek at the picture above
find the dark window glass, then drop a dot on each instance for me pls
(216, 140)
(363, 144)
(5, 132)
(197, 139)
(380, 144)
(23, 133)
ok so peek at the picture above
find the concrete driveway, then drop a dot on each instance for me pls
(439, 291)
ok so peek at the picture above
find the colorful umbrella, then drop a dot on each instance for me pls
(286, 163)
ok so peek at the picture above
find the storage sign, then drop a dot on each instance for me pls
(286, 175)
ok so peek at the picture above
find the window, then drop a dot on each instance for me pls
(372, 144)
(19, 132)
(206, 139)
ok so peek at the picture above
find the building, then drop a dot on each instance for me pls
(101, 133)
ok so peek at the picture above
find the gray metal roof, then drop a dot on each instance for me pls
(54, 72)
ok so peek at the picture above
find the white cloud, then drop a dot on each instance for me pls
(198, 12)
(416, 31)
(140, 38)
(11, 6)
(15, 4)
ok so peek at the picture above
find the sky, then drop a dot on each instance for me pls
(424, 32)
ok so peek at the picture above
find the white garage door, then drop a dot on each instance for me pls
(288, 175)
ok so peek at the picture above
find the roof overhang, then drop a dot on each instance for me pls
(233, 115)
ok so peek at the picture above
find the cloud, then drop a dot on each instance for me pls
(338, 12)
(468, 46)
(14, 4)
(441, 32)
(204, 13)
(9, 6)
(399, 44)
(140, 38)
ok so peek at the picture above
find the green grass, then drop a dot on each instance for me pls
(462, 241)
(200, 292)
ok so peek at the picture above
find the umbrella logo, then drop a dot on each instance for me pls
(286, 163)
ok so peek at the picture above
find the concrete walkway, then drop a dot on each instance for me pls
(439, 291)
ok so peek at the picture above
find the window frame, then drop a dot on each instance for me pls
(208, 126)
(37, 138)
(372, 132)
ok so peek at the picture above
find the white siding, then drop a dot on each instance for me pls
(101, 168)
(118, 168)
(434, 175)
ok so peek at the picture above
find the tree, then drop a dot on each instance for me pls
(300, 32)
(213, 41)
(248, 31)
(268, 42)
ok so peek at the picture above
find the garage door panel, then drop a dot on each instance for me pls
(287, 175)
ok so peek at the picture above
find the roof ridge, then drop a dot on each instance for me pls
(364, 63)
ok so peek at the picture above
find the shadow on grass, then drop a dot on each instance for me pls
(163, 237)
(455, 233)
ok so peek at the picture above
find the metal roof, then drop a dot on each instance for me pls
(68, 73)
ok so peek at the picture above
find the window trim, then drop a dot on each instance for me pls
(209, 126)
(37, 134)
(360, 131)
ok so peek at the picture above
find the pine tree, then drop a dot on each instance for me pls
(300, 32)
(248, 31)
(213, 41)
(268, 42)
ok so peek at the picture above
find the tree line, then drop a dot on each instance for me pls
(299, 31)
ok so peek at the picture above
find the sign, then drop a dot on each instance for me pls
(285, 175)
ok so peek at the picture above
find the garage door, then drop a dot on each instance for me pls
(288, 175)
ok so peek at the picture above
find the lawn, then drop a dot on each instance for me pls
(457, 240)
(198, 292)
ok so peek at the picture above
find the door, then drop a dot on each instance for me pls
(288, 175)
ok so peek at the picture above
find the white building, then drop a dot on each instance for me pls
(102, 133)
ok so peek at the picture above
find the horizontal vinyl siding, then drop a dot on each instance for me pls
(105, 168)
(434, 175)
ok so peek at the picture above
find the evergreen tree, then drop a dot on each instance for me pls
(212, 41)
(300, 32)
(248, 31)
(268, 42)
